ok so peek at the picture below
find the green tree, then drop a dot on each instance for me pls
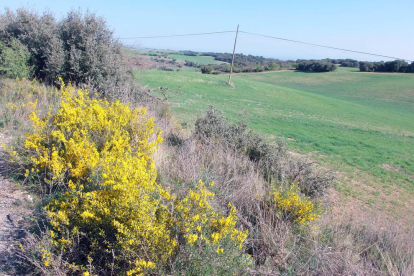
(206, 69)
(258, 68)
(32, 30)
(273, 66)
(80, 48)
(14, 60)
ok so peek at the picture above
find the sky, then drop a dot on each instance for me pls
(381, 27)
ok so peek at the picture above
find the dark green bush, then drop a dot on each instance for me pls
(174, 140)
(92, 55)
(37, 32)
(400, 66)
(206, 69)
(80, 48)
(316, 66)
(163, 68)
(192, 64)
(14, 60)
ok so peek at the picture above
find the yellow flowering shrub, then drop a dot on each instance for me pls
(108, 213)
(195, 215)
(295, 206)
(213, 244)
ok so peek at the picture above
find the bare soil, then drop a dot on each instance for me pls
(15, 210)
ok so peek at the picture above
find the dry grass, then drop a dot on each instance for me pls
(14, 98)
(347, 247)
(337, 245)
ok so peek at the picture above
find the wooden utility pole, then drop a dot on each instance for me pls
(232, 60)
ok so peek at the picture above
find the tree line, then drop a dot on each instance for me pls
(399, 66)
(315, 66)
(248, 63)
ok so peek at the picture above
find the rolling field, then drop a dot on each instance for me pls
(359, 124)
(203, 60)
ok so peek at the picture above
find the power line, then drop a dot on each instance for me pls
(318, 45)
(160, 36)
(268, 36)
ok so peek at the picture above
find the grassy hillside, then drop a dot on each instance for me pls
(391, 91)
(359, 123)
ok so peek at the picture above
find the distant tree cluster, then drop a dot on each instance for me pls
(250, 63)
(247, 63)
(343, 62)
(349, 63)
(80, 48)
(400, 66)
(316, 66)
(188, 53)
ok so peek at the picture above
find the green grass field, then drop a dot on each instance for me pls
(203, 60)
(361, 124)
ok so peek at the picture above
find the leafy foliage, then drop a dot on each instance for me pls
(206, 69)
(14, 60)
(80, 48)
(400, 66)
(247, 63)
(37, 32)
(192, 64)
(316, 66)
(91, 54)
(348, 63)
(188, 53)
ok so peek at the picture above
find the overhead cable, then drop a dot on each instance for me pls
(329, 47)
(273, 37)
(160, 36)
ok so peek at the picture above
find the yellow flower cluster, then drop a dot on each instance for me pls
(200, 223)
(46, 257)
(86, 133)
(296, 206)
(96, 154)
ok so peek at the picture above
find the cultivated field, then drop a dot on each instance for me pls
(359, 124)
(202, 60)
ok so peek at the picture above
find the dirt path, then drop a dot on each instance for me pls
(14, 212)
